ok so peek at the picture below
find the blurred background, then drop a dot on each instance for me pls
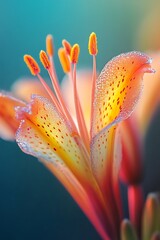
(33, 204)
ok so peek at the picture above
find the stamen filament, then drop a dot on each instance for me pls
(94, 75)
(60, 104)
(61, 101)
(79, 113)
(67, 114)
(51, 94)
(55, 83)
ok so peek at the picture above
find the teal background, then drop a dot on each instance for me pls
(33, 205)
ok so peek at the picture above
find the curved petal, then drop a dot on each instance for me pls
(8, 121)
(45, 134)
(79, 194)
(118, 89)
(25, 87)
(84, 87)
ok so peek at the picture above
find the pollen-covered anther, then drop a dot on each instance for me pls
(44, 59)
(64, 60)
(75, 53)
(32, 64)
(49, 45)
(92, 44)
(67, 46)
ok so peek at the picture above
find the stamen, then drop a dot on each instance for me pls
(49, 91)
(93, 50)
(55, 82)
(49, 45)
(92, 44)
(64, 60)
(67, 46)
(79, 113)
(44, 59)
(75, 53)
(32, 64)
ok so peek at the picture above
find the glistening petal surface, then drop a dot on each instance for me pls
(118, 89)
(45, 134)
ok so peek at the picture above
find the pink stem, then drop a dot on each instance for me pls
(135, 205)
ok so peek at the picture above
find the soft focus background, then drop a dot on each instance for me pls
(33, 205)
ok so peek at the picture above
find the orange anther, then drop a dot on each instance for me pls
(44, 59)
(75, 53)
(64, 60)
(92, 44)
(49, 45)
(32, 64)
(67, 46)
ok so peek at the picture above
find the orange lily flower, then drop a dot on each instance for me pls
(80, 149)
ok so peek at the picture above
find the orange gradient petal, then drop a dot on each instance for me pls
(118, 89)
(8, 121)
(45, 134)
(79, 194)
(102, 156)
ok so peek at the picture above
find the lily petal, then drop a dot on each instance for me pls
(8, 122)
(118, 89)
(45, 134)
(79, 195)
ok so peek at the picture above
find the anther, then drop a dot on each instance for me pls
(44, 59)
(75, 53)
(64, 60)
(67, 46)
(49, 45)
(92, 44)
(31, 64)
